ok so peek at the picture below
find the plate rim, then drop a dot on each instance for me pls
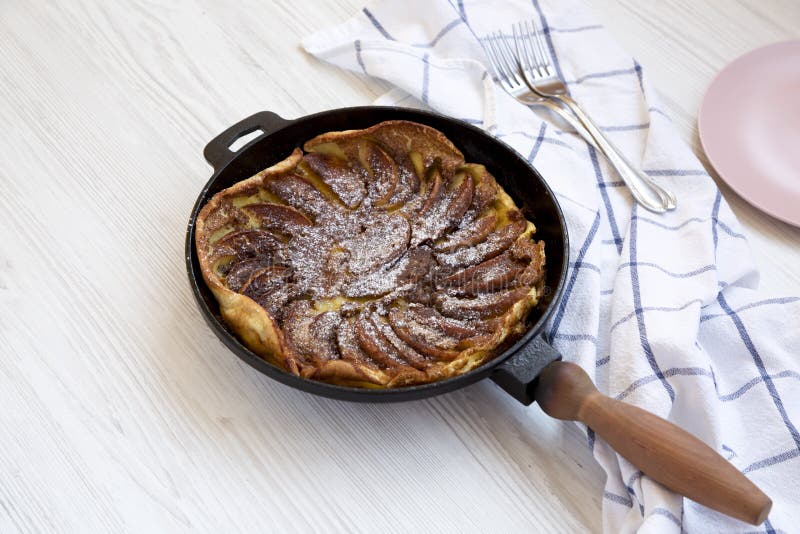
(704, 103)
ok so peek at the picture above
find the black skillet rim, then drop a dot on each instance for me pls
(355, 393)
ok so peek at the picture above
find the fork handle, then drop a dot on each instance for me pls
(567, 116)
(643, 188)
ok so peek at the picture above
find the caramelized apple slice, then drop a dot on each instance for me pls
(480, 307)
(347, 182)
(443, 209)
(532, 253)
(383, 172)
(301, 194)
(278, 217)
(264, 280)
(491, 275)
(422, 338)
(377, 283)
(297, 318)
(241, 271)
(383, 238)
(407, 272)
(454, 328)
(434, 190)
(403, 349)
(466, 333)
(374, 344)
(251, 244)
(270, 288)
(462, 188)
(431, 187)
(407, 187)
(492, 246)
(275, 301)
(400, 138)
(411, 277)
(468, 235)
(486, 188)
(419, 267)
(323, 329)
(311, 335)
(347, 344)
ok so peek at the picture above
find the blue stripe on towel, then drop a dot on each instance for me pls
(676, 172)
(612, 221)
(772, 460)
(666, 513)
(548, 38)
(603, 74)
(378, 25)
(626, 128)
(779, 300)
(751, 348)
(444, 31)
(619, 499)
(357, 45)
(638, 69)
(461, 11)
(577, 29)
(559, 315)
(655, 308)
(537, 143)
(637, 302)
(671, 274)
(749, 385)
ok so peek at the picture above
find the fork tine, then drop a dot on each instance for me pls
(516, 50)
(545, 56)
(528, 58)
(498, 57)
(497, 65)
(493, 59)
(519, 47)
(509, 59)
(526, 69)
(530, 47)
(487, 49)
(515, 64)
(502, 61)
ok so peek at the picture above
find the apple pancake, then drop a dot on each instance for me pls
(372, 258)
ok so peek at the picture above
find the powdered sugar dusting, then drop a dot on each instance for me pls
(359, 265)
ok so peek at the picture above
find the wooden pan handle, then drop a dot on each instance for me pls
(661, 450)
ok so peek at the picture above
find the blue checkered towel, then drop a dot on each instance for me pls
(662, 310)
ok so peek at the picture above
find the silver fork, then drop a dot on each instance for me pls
(526, 73)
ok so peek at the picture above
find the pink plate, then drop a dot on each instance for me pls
(749, 126)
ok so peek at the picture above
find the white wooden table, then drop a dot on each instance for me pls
(120, 409)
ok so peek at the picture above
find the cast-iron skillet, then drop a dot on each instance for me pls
(526, 370)
(520, 180)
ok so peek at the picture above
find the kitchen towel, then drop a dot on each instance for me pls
(661, 310)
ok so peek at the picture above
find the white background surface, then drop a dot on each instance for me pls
(121, 411)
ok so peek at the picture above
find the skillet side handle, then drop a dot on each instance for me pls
(217, 151)
(517, 375)
(663, 451)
